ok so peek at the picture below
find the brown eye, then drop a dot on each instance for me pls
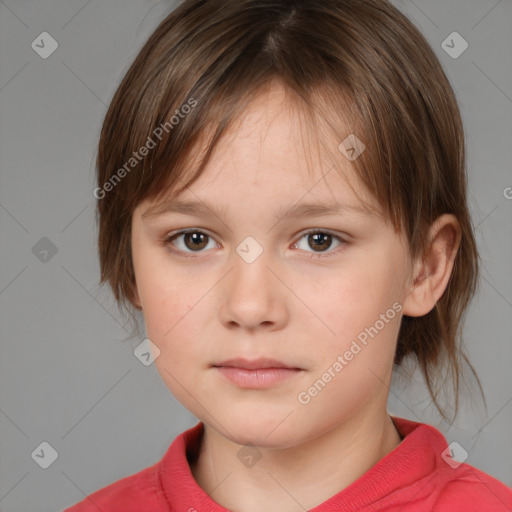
(195, 240)
(189, 241)
(319, 240)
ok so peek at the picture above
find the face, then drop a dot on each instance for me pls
(319, 293)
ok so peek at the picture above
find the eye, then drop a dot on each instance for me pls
(193, 240)
(320, 241)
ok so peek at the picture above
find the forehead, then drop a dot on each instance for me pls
(276, 154)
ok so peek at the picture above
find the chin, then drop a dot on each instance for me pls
(265, 430)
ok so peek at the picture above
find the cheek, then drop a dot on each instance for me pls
(168, 311)
(355, 308)
(167, 298)
(172, 316)
(344, 302)
(177, 309)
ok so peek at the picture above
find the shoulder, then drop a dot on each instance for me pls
(469, 489)
(151, 488)
(444, 484)
(129, 494)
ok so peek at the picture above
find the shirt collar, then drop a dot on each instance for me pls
(414, 458)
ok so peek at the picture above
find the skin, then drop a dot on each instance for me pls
(303, 311)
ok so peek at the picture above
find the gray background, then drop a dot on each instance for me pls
(66, 375)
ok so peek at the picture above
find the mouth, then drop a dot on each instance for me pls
(257, 373)
(255, 364)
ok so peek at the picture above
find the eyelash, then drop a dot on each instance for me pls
(172, 236)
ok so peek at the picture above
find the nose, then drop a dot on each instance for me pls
(253, 294)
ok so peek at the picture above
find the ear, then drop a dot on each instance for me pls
(432, 273)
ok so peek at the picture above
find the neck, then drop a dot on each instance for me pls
(302, 476)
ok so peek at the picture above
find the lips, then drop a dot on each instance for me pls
(255, 364)
(256, 373)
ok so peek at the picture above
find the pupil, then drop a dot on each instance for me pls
(196, 238)
(320, 240)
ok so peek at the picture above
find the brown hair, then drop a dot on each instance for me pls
(358, 64)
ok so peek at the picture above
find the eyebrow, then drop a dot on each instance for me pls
(201, 209)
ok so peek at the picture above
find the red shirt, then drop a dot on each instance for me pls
(414, 477)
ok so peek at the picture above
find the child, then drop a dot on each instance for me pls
(282, 193)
